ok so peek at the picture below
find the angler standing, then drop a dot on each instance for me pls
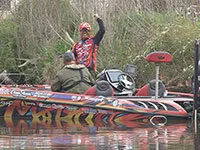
(85, 50)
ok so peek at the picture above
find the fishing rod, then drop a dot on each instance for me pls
(13, 74)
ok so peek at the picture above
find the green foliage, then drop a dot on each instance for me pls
(41, 35)
(176, 37)
(39, 32)
(7, 45)
(138, 34)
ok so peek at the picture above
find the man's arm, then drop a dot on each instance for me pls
(99, 35)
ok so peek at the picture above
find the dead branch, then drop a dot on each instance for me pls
(67, 34)
(27, 61)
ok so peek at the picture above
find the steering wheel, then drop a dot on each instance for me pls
(126, 81)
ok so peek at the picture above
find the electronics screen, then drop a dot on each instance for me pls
(113, 75)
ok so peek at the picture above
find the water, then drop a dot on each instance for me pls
(29, 134)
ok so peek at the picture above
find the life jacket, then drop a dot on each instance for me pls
(77, 82)
(86, 53)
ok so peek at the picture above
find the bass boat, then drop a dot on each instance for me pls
(149, 103)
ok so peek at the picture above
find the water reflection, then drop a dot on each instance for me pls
(43, 134)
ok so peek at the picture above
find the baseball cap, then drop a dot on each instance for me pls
(68, 56)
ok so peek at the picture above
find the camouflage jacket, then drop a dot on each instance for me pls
(72, 78)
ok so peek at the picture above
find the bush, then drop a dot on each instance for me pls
(139, 34)
(7, 46)
(34, 39)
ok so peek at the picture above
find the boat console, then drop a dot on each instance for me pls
(122, 83)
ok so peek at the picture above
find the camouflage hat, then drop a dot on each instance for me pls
(68, 56)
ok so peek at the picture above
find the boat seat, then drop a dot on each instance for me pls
(101, 88)
(142, 91)
(149, 89)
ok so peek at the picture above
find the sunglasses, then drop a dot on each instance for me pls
(84, 30)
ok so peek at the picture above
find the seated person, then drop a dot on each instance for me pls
(73, 78)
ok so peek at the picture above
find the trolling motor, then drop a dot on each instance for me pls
(5, 79)
(158, 57)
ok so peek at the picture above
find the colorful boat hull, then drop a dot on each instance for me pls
(46, 105)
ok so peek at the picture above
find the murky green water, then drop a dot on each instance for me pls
(28, 134)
